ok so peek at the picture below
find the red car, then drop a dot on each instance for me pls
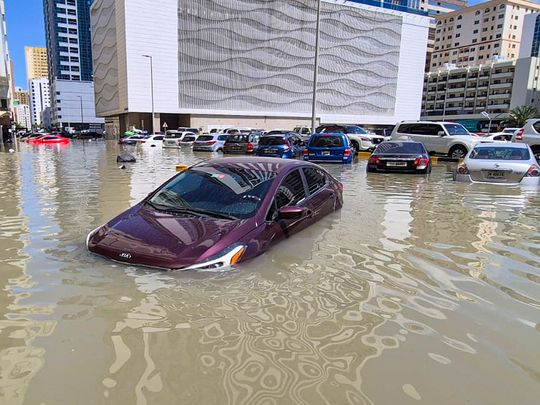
(49, 139)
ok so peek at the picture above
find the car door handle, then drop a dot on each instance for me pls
(309, 214)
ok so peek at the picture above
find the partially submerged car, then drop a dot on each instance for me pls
(400, 157)
(218, 213)
(499, 163)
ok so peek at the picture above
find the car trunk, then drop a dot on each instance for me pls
(498, 172)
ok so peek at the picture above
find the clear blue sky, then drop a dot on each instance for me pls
(25, 27)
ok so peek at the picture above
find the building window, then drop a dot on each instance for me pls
(484, 29)
(479, 57)
(477, 12)
(74, 50)
(72, 21)
(484, 38)
(73, 41)
(459, 17)
(477, 22)
(458, 35)
(457, 27)
(72, 12)
(475, 32)
(475, 40)
(73, 31)
(75, 78)
(495, 45)
(501, 16)
(498, 36)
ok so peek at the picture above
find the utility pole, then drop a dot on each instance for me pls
(82, 113)
(316, 67)
(152, 87)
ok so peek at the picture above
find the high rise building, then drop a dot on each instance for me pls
(530, 37)
(40, 98)
(21, 96)
(36, 62)
(67, 26)
(434, 9)
(258, 71)
(5, 76)
(480, 34)
(24, 119)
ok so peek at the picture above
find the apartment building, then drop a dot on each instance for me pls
(24, 119)
(530, 38)
(480, 34)
(462, 94)
(36, 62)
(21, 96)
(40, 98)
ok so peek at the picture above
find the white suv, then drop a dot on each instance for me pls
(530, 134)
(360, 138)
(441, 138)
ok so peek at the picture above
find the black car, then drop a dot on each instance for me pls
(400, 156)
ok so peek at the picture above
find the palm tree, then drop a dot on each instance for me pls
(519, 115)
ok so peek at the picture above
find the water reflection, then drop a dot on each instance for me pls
(417, 284)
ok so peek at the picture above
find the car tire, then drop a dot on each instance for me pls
(457, 152)
(355, 146)
(220, 150)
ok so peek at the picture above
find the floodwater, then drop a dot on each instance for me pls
(419, 291)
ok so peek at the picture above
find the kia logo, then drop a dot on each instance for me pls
(125, 255)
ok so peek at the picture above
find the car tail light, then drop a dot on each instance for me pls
(339, 186)
(534, 171)
(249, 146)
(306, 152)
(519, 134)
(287, 146)
(347, 152)
(421, 163)
(210, 142)
(463, 169)
(374, 160)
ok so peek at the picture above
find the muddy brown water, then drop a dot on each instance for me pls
(419, 290)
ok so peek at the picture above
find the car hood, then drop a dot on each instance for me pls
(152, 238)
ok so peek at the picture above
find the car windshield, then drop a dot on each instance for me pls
(456, 129)
(326, 141)
(408, 148)
(271, 140)
(205, 138)
(228, 191)
(500, 153)
(237, 138)
(356, 130)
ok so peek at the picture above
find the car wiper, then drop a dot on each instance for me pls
(195, 211)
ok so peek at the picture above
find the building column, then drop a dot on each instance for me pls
(157, 122)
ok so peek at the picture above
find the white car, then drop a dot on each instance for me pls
(173, 138)
(360, 138)
(498, 163)
(440, 138)
(210, 142)
(530, 134)
(153, 141)
(188, 140)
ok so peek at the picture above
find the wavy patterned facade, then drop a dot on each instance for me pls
(257, 56)
(104, 40)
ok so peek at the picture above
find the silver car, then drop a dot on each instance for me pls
(210, 142)
(499, 163)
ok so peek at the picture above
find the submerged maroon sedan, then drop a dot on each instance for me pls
(218, 213)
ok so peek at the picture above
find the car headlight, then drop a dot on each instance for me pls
(222, 261)
(365, 139)
(92, 233)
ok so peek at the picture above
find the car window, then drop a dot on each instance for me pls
(237, 138)
(400, 148)
(316, 179)
(222, 137)
(271, 140)
(291, 191)
(189, 138)
(353, 129)
(326, 141)
(205, 138)
(500, 153)
(158, 138)
(536, 126)
(456, 129)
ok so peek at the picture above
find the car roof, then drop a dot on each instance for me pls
(428, 122)
(502, 145)
(270, 164)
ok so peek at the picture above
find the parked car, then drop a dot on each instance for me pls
(173, 138)
(329, 148)
(304, 132)
(219, 213)
(530, 134)
(153, 141)
(241, 143)
(196, 131)
(132, 139)
(32, 136)
(510, 163)
(48, 140)
(402, 157)
(210, 142)
(188, 140)
(441, 138)
(498, 137)
(360, 138)
(288, 145)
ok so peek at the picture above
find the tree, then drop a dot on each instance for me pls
(519, 115)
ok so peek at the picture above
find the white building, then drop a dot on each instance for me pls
(257, 71)
(530, 37)
(5, 76)
(40, 98)
(22, 111)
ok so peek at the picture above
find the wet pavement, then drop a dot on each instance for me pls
(419, 290)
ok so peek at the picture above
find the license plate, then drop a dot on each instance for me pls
(495, 174)
(270, 151)
(396, 164)
(325, 152)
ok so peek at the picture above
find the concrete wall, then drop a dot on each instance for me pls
(529, 24)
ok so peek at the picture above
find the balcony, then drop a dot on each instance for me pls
(500, 96)
(501, 106)
(502, 75)
(455, 89)
(501, 86)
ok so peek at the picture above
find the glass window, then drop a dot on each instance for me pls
(240, 191)
(291, 191)
(272, 140)
(407, 148)
(316, 179)
(326, 141)
(500, 153)
(456, 129)
(222, 137)
(204, 138)
(353, 129)
(237, 138)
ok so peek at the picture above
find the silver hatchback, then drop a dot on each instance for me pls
(499, 163)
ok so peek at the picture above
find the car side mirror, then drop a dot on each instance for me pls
(291, 212)
(441, 133)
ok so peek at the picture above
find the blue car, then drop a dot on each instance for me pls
(329, 148)
(288, 145)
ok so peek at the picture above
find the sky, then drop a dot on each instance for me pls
(25, 27)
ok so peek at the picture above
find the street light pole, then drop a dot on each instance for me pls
(151, 87)
(316, 67)
(82, 113)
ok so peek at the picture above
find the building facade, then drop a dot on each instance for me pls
(5, 76)
(21, 96)
(530, 37)
(24, 119)
(462, 94)
(36, 62)
(239, 63)
(67, 26)
(40, 98)
(480, 34)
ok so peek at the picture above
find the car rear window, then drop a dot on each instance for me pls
(400, 148)
(237, 138)
(271, 140)
(326, 141)
(173, 135)
(205, 138)
(500, 153)
(222, 137)
(189, 138)
(276, 132)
